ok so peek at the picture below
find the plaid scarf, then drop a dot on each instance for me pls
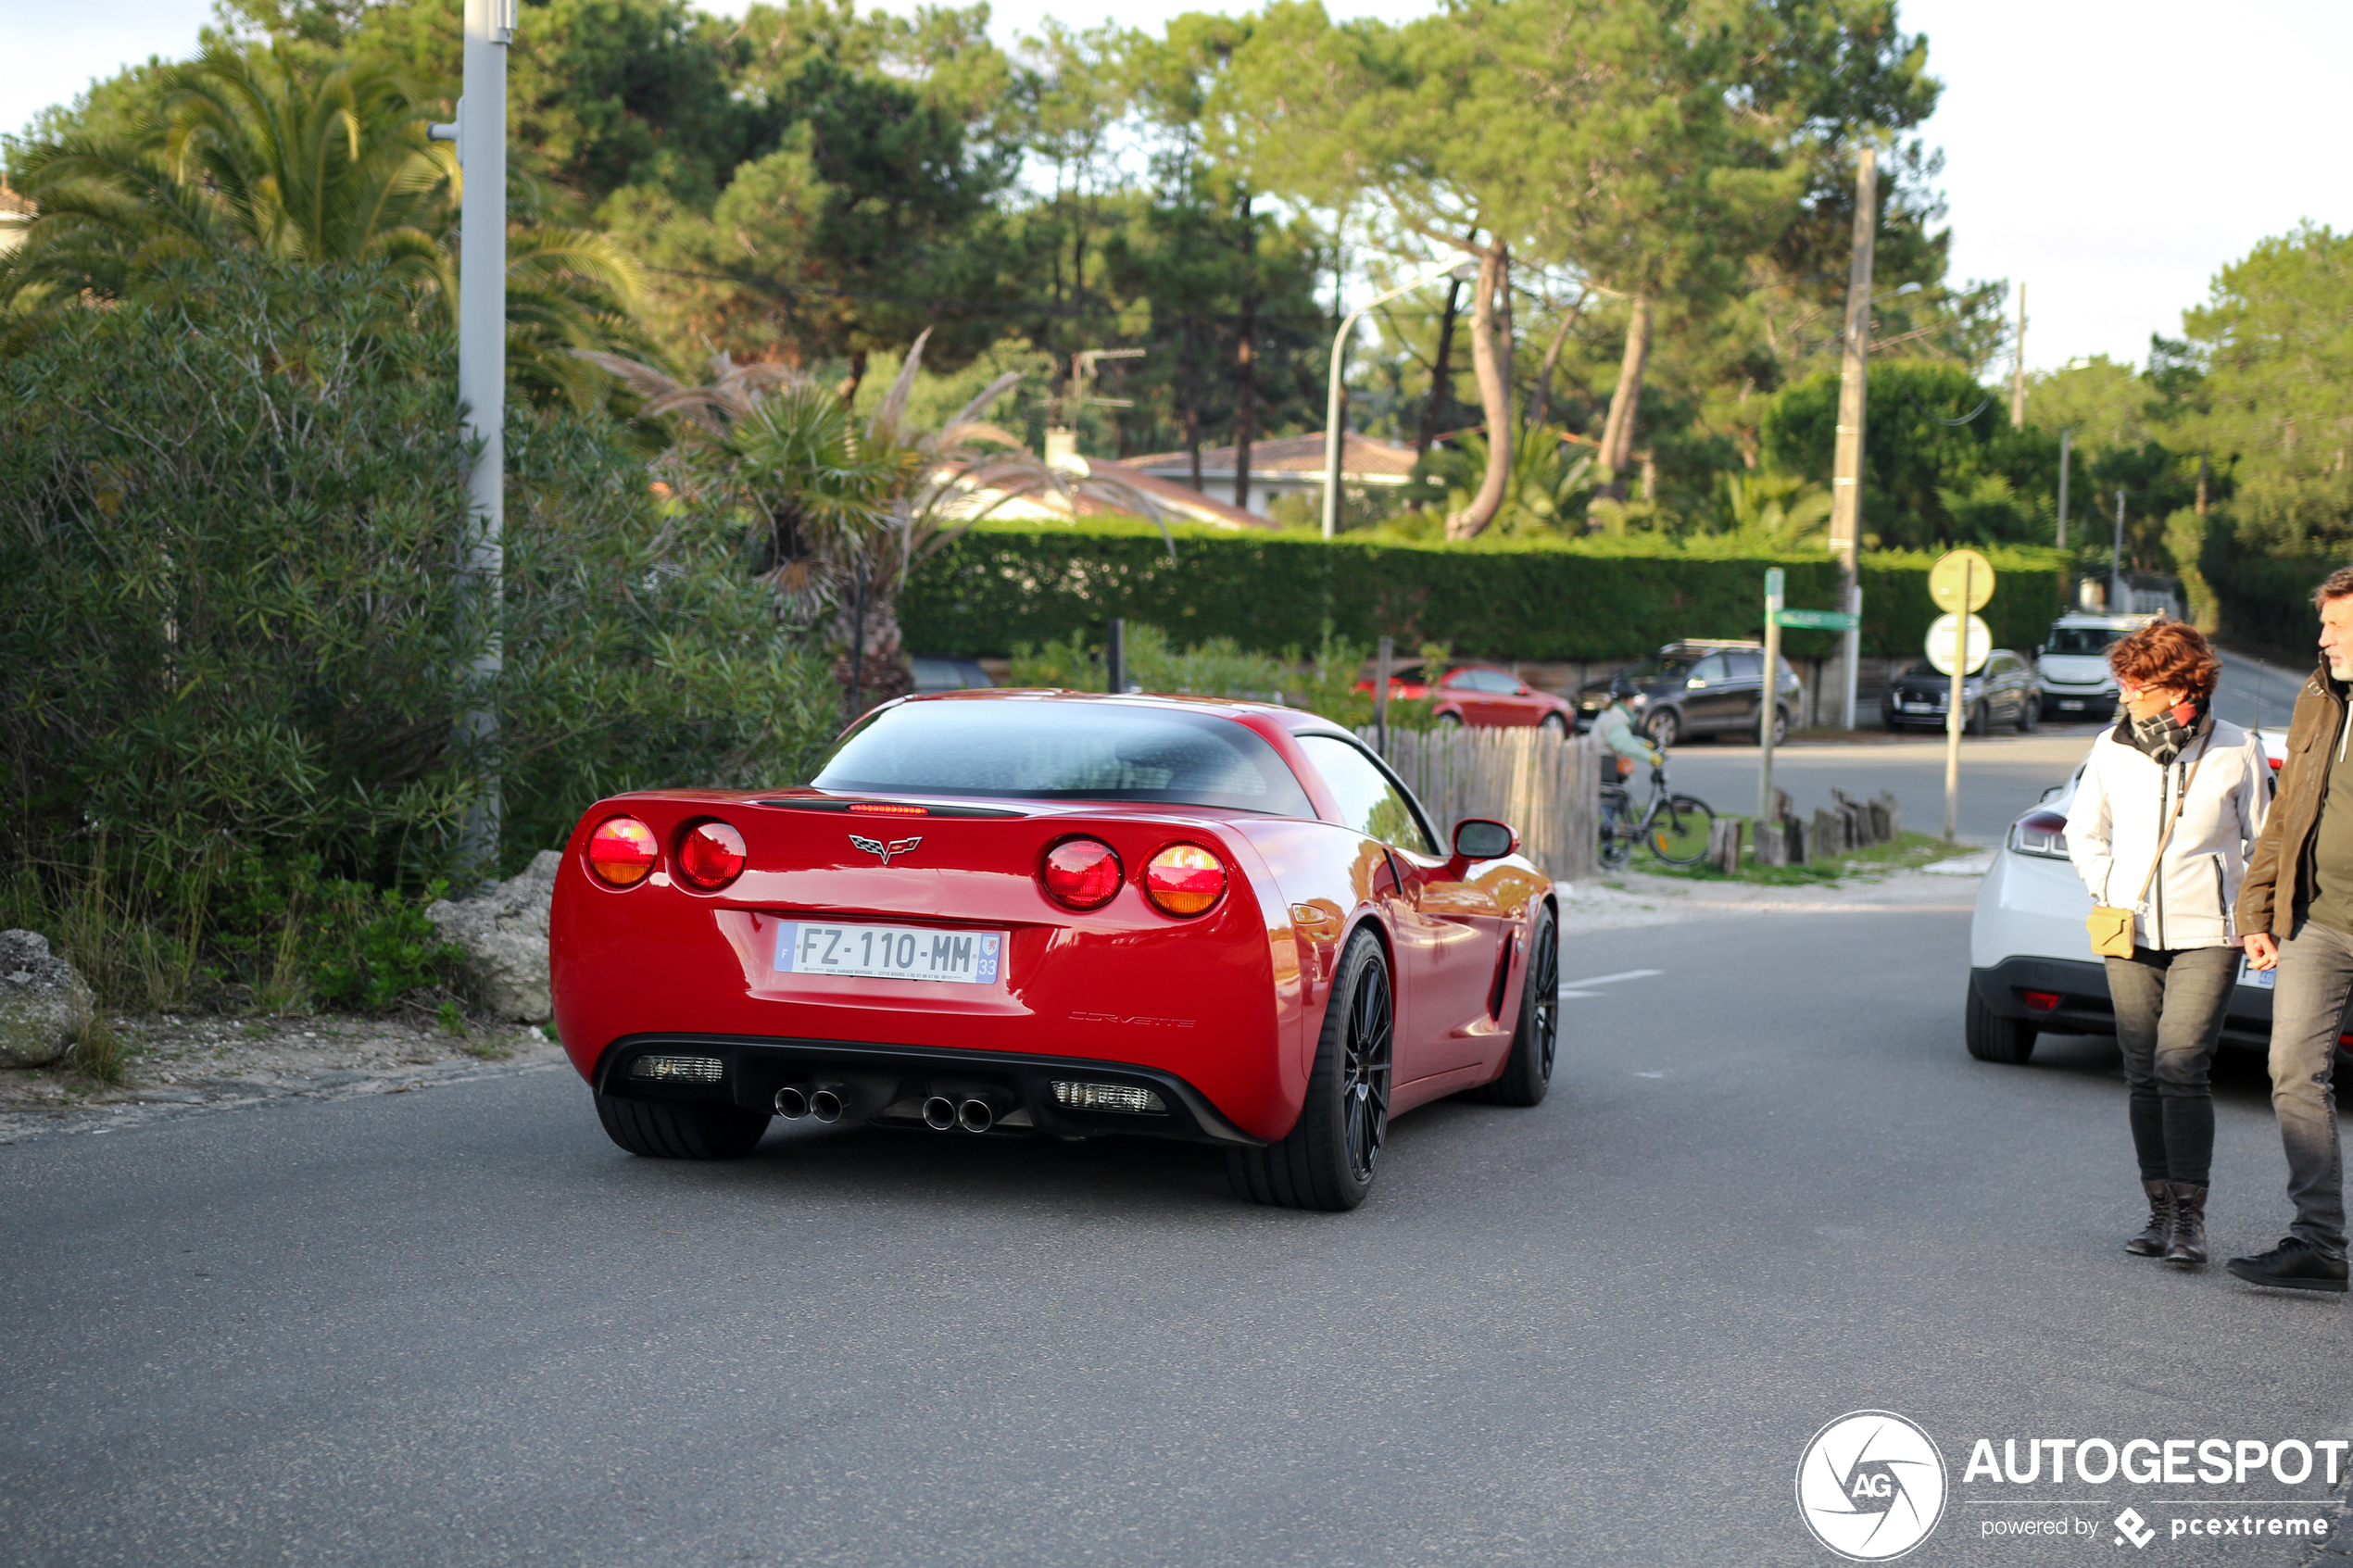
(2162, 737)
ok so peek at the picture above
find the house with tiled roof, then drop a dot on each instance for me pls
(1290, 465)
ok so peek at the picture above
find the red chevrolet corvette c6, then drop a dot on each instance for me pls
(1051, 912)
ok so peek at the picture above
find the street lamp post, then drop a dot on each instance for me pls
(1459, 271)
(480, 132)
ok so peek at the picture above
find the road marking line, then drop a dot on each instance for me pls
(1649, 1075)
(1569, 987)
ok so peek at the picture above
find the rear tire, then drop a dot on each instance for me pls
(1527, 1071)
(1450, 720)
(1980, 721)
(680, 1132)
(1993, 1037)
(1554, 725)
(2029, 715)
(1326, 1160)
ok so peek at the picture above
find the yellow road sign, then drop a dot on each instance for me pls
(1960, 572)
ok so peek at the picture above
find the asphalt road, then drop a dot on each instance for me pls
(457, 1327)
(2000, 777)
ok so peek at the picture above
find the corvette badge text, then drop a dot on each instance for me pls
(1871, 1485)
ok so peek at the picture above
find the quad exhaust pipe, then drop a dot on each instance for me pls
(974, 1113)
(826, 1102)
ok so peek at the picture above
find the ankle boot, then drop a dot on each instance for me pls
(2186, 1243)
(2151, 1242)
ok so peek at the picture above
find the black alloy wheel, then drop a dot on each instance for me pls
(1327, 1159)
(1527, 1071)
(1663, 727)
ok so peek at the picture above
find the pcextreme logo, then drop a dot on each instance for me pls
(1871, 1485)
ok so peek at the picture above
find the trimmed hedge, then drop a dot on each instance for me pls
(1007, 583)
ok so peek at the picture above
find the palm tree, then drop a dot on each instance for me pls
(319, 163)
(850, 515)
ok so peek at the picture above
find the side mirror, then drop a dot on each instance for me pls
(1483, 838)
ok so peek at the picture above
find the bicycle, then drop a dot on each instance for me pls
(1674, 827)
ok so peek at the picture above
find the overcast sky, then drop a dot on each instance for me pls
(2111, 156)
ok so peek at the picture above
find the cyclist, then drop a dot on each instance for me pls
(1615, 730)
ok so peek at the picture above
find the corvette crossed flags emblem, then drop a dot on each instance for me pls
(876, 846)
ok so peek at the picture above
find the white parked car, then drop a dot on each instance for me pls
(2032, 971)
(2072, 665)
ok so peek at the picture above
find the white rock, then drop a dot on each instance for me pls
(503, 930)
(43, 1002)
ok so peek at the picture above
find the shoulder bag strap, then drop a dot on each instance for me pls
(2179, 801)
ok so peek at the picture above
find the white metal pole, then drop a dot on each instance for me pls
(1331, 418)
(481, 385)
(1331, 399)
(1953, 708)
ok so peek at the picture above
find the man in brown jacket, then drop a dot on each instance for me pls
(2300, 884)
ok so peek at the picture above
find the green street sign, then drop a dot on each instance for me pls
(1816, 620)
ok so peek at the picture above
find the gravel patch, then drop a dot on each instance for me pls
(191, 1065)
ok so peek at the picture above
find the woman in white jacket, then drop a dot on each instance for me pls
(2170, 761)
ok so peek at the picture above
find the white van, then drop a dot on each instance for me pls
(2072, 665)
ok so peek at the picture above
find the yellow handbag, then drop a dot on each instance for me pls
(2111, 927)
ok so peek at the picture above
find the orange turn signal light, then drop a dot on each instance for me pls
(1185, 879)
(622, 851)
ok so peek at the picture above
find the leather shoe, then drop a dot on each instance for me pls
(2292, 1265)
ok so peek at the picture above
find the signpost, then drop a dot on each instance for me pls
(1766, 709)
(1961, 581)
(1775, 618)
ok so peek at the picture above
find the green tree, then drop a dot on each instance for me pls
(2276, 337)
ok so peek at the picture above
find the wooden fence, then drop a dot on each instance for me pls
(1546, 786)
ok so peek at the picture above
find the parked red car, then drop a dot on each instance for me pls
(1049, 912)
(1480, 694)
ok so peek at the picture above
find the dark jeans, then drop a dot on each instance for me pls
(2168, 1016)
(2316, 970)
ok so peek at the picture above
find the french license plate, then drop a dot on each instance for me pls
(2261, 979)
(889, 952)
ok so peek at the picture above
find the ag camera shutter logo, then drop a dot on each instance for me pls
(1871, 1485)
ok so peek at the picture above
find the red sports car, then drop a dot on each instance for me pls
(1051, 912)
(1482, 694)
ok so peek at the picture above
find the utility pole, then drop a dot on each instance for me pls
(1846, 478)
(2067, 438)
(2018, 371)
(480, 132)
(2116, 568)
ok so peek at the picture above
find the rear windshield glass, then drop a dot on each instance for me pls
(2079, 640)
(1066, 751)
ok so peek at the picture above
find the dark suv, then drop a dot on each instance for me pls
(1699, 688)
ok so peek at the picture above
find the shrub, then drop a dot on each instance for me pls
(230, 522)
(1594, 598)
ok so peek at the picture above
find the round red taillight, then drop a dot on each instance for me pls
(711, 855)
(1185, 879)
(622, 851)
(1081, 873)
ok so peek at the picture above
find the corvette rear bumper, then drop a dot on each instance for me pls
(888, 1085)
